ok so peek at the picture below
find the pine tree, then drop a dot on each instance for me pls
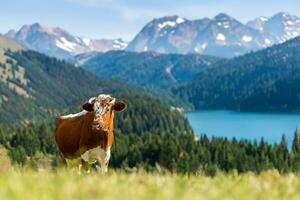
(295, 154)
(18, 155)
(282, 156)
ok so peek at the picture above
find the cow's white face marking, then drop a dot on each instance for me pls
(74, 115)
(101, 105)
(97, 154)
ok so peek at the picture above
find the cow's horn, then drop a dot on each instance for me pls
(91, 100)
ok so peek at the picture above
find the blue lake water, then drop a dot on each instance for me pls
(251, 126)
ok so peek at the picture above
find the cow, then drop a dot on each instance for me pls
(89, 134)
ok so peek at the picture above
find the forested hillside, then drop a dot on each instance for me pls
(267, 80)
(33, 85)
(153, 70)
(160, 149)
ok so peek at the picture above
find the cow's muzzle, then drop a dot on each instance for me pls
(96, 127)
(97, 124)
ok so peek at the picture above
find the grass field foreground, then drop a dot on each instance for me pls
(64, 184)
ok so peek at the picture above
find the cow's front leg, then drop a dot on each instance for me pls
(83, 165)
(97, 166)
(100, 166)
(102, 161)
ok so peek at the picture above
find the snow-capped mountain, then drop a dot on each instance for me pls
(279, 28)
(258, 23)
(171, 34)
(59, 43)
(225, 36)
(221, 36)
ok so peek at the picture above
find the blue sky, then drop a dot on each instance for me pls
(124, 18)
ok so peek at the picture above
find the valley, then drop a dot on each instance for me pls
(240, 68)
(149, 69)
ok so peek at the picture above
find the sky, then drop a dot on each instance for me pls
(125, 18)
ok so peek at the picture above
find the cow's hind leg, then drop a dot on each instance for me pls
(84, 165)
(62, 158)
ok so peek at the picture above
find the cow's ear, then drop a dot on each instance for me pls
(119, 106)
(88, 107)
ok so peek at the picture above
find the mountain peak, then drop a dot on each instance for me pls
(258, 23)
(30, 27)
(35, 25)
(262, 19)
(168, 21)
(282, 15)
(222, 17)
(167, 18)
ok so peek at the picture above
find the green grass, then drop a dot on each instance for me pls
(68, 184)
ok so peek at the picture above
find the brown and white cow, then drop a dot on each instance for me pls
(89, 135)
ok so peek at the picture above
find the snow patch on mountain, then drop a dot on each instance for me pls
(247, 38)
(290, 23)
(264, 19)
(179, 20)
(61, 45)
(295, 34)
(267, 41)
(167, 23)
(221, 37)
(86, 41)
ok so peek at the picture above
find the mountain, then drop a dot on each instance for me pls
(149, 69)
(59, 43)
(171, 34)
(221, 36)
(227, 37)
(267, 80)
(279, 28)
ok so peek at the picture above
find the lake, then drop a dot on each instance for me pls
(241, 125)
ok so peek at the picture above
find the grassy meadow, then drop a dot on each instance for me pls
(41, 182)
(68, 184)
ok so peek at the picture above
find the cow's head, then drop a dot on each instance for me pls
(103, 107)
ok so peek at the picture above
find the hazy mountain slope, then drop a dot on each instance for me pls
(149, 69)
(265, 80)
(5, 44)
